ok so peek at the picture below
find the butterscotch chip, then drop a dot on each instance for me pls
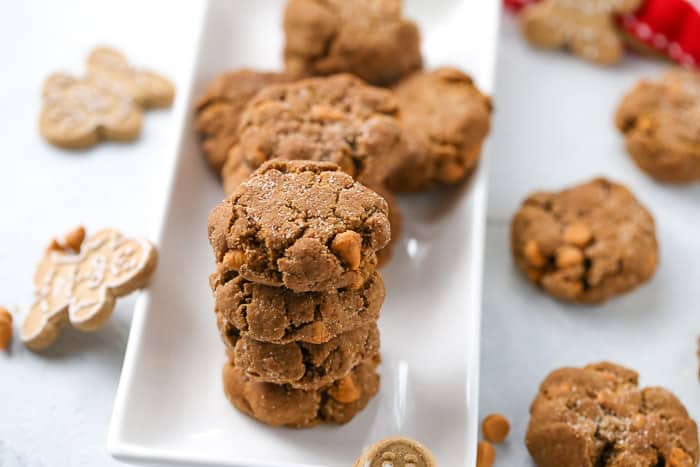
(495, 428)
(74, 238)
(485, 454)
(344, 390)
(599, 416)
(396, 451)
(347, 245)
(586, 243)
(5, 328)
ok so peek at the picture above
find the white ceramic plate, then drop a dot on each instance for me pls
(170, 406)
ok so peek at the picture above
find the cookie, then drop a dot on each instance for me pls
(585, 244)
(81, 288)
(297, 408)
(395, 223)
(599, 416)
(368, 38)
(587, 28)
(446, 119)
(280, 316)
(337, 119)
(661, 124)
(218, 110)
(304, 365)
(303, 225)
(396, 452)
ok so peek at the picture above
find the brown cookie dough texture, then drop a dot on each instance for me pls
(585, 244)
(280, 316)
(218, 110)
(446, 119)
(283, 405)
(304, 225)
(337, 119)
(597, 416)
(368, 38)
(396, 452)
(395, 222)
(661, 124)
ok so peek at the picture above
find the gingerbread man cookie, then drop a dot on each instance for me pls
(586, 27)
(81, 288)
(396, 452)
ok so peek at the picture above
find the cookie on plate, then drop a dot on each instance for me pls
(661, 124)
(283, 405)
(337, 119)
(396, 452)
(368, 38)
(395, 222)
(218, 110)
(304, 225)
(585, 244)
(446, 119)
(599, 416)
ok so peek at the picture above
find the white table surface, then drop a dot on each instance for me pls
(55, 406)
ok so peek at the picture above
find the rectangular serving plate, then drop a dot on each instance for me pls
(170, 406)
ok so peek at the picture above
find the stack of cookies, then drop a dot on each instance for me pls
(297, 294)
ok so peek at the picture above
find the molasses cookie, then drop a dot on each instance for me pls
(368, 38)
(395, 222)
(661, 124)
(304, 225)
(446, 119)
(598, 416)
(585, 244)
(337, 119)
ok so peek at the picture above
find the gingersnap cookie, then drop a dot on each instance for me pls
(337, 119)
(218, 110)
(304, 365)
(304, 225)
(446, 119)
(599, 416)
(368, 38)
(395, 222)
(661, 124)
(585, 244)
(280, 316)
(396, 452)
(283, 405)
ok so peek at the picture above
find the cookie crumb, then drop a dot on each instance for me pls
(485, 454)
(5, 328)
(495, 428)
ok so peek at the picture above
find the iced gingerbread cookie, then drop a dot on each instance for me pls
(396, 452)
(283, 405)
(598, 416)
(304, 225)
(586, 27)
(585, 244)
(661, 124)
(219, 109)
(368, 38)
(79, 283)
(336, 119)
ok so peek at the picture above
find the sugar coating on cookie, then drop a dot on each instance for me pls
(280, 316)
(660, 120)
(368, 38)
(585, 244)
(598, 416)
(337, 119)
(446, 119)
(218, 110)
(304, 225)
(283, 405)
(396, 452)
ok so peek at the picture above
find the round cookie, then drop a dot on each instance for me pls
(336, 119)
(304, 365)
(395, 222)
(585, 244)
(368, 38)
(446, 119)
(661, 124)
(280, 316)
(283, 405)
(219, 109)
(300, 224)
(597, 416)
(396, 452)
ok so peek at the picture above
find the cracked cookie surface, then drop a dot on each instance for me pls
(446, 119)
(598, 416)
(336, 119)
(368, 38)
(304, 225)
(661, 124)
(585, 244)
